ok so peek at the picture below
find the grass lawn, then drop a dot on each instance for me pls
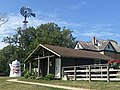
(4, 85)
(97, 85)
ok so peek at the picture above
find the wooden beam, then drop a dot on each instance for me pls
(43, 52)
(45, 57)
(74, 73)
(48, 69)
(24, 67)
(108, 78)
(30, 66)
(38, 67)
(89, 73)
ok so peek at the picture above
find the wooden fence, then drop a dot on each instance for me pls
(91, 72)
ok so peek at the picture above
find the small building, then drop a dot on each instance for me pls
(50, 59)
(105, 47)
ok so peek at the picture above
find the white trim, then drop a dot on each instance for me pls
(110, 47)
(49, 50)
(78, 46)
(43, 47)
(32, 53)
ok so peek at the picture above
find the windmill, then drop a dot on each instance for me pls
(26, 12)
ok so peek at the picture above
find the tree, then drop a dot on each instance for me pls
(7, 55)
(49, 33)
(24, 42)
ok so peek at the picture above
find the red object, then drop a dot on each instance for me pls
(114, 61)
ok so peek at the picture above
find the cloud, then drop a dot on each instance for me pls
(97, 34)
(15, 21)
(76, 6)
(99, 30)
(80, 30)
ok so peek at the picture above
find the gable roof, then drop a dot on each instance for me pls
(87, 45)
(102, 45)
(115, 45)
(70, 53)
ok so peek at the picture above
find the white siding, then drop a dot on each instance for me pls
(109, 47)
(78, 46)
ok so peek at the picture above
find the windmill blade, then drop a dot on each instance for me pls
(25, 11)
(32, 14)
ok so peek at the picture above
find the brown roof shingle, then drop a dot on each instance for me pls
(68, 52)
(73, 53)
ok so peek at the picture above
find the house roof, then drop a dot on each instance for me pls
(87, 45)
(102, 45)
(115, 45)
(70, 53)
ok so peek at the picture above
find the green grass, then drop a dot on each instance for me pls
(97, 85)
(5, 85)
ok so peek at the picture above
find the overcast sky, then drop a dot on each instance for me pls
(87, 18)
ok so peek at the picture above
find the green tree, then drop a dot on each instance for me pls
(25, 41)
(49, 33)
(7, 55)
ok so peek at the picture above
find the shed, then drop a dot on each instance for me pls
(50, 59)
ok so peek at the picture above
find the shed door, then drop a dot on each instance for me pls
(57, 67)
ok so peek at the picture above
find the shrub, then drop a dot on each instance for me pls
(49, 77)
(27, 74)
(39, 78)
(31, 77)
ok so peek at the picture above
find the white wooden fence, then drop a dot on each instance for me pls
(91, 72)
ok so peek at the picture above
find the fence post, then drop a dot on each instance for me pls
(101, 72)
(89, 73)
(108, 77)
(74, 73)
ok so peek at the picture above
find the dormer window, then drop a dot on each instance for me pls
(108, 46)
(78, 46)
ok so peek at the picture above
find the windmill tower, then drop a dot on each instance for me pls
(26, 12)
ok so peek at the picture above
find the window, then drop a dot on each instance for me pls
(78, 46)
(108, 46)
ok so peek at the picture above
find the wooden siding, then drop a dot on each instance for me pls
(77, 62)
(113, 55)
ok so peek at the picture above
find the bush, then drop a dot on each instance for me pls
(27, 75)
(31, 77)
(39, 78)
(49, 77)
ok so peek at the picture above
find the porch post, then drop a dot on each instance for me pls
(24, 66)
(30, 66)
(48, 69)
(38, 67)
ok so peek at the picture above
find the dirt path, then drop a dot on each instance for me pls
(47, 85)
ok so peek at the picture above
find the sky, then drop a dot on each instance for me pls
(86, 18)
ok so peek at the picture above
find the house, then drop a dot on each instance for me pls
(105, 47)
(50, 59)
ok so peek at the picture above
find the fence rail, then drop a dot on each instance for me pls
(91, 72)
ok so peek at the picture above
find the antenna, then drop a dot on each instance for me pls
(26, 12)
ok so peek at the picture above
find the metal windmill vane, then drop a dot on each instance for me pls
(26, 12)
